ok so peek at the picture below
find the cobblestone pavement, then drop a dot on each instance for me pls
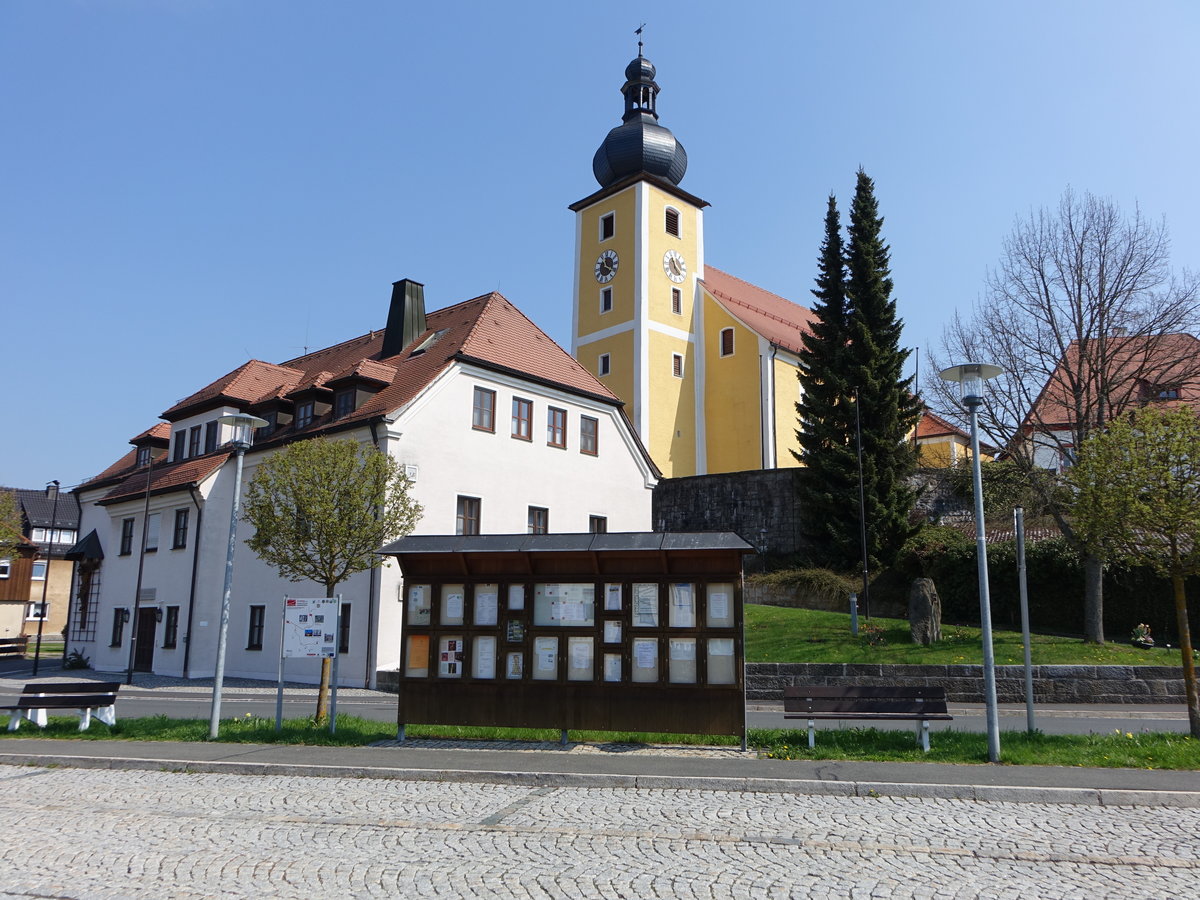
(78, 833)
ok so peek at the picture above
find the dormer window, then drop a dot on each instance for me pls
(271, 419)
(143, 456)
(343, 403)
(304, 414)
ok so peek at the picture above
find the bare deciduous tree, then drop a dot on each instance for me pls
(1087, 320)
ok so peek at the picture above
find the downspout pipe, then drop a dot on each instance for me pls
(187, 635)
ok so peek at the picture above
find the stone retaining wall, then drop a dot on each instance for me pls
(964, 684)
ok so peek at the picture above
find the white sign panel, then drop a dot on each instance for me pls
(310, 627)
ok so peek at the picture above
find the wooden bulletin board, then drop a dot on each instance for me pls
(612, 632)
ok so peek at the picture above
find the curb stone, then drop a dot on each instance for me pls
(982, 793)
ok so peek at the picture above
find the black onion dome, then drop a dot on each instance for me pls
(640, 144)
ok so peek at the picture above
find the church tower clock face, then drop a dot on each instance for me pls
(606, 266)
(674, 266)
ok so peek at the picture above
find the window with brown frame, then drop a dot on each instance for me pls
(676, 365)
(483, 414)
(589, 435)
(467, 518)
(727, 342)
(539, 520)
(522, 419)
(677, 301)
(556, 427)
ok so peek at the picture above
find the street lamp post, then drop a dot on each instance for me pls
(151, 454)
(862, 512)
(37, 652)
(243, 436)
(970, 378)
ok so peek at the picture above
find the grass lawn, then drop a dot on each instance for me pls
(780, 634)
(1116, 750)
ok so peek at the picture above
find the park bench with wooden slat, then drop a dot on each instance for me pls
(14, 647)
(86, 697)
(919, 704)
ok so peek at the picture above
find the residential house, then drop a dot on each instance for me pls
(942, 444)
(49, 521)
(498, 428)
(1098, 380)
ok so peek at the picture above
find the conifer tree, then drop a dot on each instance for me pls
(826, 417)
(889, 410)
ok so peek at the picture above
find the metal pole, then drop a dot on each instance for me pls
(1019, 522)
(137, 591)
(985, 602)
(279, 686)
(337, 636)
(862, 510)
(37, 652)
(219, 675)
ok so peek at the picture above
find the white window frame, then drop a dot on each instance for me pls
(677, 365)
(600, 226)
(606, 300)
(153, 526)
(604, 365)
(678, 233)
(5, 567)
(32, 609)
(45, 566)
(721, 342)
(677, 301)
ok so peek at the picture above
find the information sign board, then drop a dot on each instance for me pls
(310, 627)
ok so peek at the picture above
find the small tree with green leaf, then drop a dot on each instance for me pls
(1138, 496)
(321, 509)
(10, 525)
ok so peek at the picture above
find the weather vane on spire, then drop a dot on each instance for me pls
(638, 32)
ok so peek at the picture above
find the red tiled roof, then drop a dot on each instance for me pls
(779, 320)
(486, 330)
(1135, 363)
(172, 476)
(160, 430)
(245, 384)
(931, 425)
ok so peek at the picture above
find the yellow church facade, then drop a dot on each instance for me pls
(706, 363)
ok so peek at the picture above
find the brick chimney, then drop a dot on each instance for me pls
(406, 317)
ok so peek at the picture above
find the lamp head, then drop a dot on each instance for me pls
(970, 378)
(243, 428)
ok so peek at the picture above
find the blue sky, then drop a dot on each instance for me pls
(191, 183)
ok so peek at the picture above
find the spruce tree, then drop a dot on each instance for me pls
(826, 417)
(887, 405)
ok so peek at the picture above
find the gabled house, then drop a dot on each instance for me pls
(498, 428)
(1098, 380)
(942, 444)
(49, 522)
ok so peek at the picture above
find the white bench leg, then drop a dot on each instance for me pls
(37, 717)
(923, 735)
(107, 715)
(812, 736)
(85, 718)
(14, 721)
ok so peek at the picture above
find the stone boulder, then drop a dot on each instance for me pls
(924, 612)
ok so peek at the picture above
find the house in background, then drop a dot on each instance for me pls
(1126, 372)
(707, 363)
(941, 444)
(49, 522)
(499, 429)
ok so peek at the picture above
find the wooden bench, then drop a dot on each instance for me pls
(919, 704)
(14, 647)
(86, 697)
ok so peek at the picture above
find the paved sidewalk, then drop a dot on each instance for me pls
(589, 764)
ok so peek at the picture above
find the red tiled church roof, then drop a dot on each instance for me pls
(776, 318)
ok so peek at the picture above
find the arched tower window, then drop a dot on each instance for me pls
(672, 221)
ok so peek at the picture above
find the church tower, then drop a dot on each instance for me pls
(639, 252)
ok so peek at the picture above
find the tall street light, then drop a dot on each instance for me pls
(970, 378)
(151, 454)
(243, 435)
(37, 653)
